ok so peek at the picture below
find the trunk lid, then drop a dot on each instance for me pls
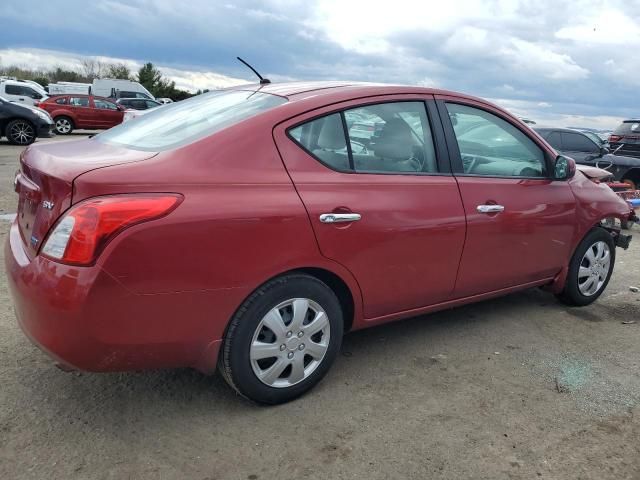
(44, 182)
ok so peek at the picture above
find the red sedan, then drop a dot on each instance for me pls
(70, 112)
(249, 229)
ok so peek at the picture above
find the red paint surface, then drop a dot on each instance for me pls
(161, 293)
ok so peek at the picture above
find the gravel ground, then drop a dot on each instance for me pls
(520, 387)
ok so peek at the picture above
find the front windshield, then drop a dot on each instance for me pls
(184, 122)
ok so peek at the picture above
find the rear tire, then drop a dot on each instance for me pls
(590, 269)
(64, 125)
(20, 132)
(282, 340)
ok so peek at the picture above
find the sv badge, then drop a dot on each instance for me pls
(48, 205)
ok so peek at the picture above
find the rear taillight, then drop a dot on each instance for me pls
(615, 138)
(82, 232)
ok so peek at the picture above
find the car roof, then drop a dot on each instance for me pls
(300, 90)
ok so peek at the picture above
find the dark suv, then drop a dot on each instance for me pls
(584, 150)
(22, 124)
(625, 140)
(138, 103)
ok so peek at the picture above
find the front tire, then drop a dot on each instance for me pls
(283, 339)
(20, 132)
(64, 125)
(590, 269)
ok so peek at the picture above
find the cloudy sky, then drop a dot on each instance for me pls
(557, 61)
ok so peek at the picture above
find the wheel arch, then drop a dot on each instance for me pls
(347, 291)
(11, 119)
(339, 287)
(343, 285)
(557, 285)
(63, 113)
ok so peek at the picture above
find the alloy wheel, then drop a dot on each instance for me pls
(290, 342)
(594, 269)
(22, 133)
(63, 125)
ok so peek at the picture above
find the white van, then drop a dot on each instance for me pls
(64, 88)
(114, 88)
(22, 92)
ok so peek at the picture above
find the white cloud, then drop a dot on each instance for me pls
(365, 26)
(542, 60)
(541, 114)
(186, 79)
(609, 27)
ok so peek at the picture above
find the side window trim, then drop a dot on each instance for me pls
(454, 150)
(347, 140)
(438, 135)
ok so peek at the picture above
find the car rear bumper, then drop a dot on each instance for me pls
(86, 320)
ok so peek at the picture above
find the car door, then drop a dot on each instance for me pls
(17, 94)
(81, 108)
(107, 113)
(520, 222)
(580, 147)
(387, 208)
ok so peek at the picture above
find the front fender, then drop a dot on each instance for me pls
(595, 202)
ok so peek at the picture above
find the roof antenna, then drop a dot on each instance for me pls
(263, 81)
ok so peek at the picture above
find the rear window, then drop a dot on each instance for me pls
(184, 122)
(631, 127)
(79, 101)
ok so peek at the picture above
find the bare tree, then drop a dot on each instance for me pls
(92, 68)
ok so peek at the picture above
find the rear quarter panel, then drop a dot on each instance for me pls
(240, 224)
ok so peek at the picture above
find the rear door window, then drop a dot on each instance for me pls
(576, 142)
(12, 90)
(392, 137)
(325, 139)
(104, 105)
(79, 101)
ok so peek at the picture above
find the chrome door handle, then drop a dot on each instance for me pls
(339, 217)
(490, 208)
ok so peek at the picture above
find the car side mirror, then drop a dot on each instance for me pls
(565, 168)
(120, 107)
(604, 150)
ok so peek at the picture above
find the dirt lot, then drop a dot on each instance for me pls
(520, 387)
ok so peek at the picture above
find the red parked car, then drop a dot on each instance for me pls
(243, 229)
(70, 112)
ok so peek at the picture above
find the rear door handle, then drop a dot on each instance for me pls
(339, 217)
(490, 208)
